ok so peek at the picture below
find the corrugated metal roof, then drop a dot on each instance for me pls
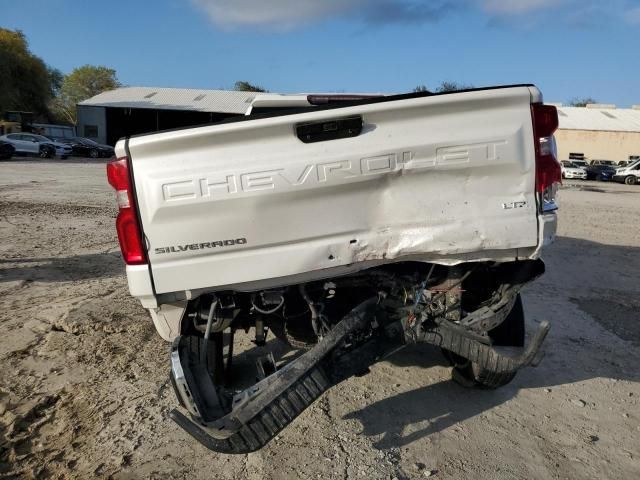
(603, 119)
(223, 101)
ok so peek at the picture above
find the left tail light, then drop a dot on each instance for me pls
(127, 224)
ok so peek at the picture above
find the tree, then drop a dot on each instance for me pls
(25, 83)
(447, 86)
(82, 83)
(56, 77)
(581, 102)
(243, 86)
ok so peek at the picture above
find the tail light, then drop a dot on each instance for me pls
(127, 224)
(548, 170)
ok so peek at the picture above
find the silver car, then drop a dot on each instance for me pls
(33, 144)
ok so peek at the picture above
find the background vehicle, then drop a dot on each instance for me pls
(62, 149)
(600, 172)
(580, 163)
(310, 225)
(571, 170)
(6, 150)
(85, 147)
(610, 163)
(629, 175)
(29, 144)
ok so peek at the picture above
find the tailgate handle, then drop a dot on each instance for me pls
(333, 129)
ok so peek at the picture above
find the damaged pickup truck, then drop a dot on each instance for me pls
(342, 228)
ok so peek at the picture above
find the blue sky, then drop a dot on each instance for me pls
(569, 48)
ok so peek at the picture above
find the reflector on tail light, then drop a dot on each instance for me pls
(127, 224)
(548, 169)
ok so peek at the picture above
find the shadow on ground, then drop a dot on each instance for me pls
(570, 357)
(62, 269)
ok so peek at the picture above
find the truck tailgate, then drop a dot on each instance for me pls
(433, 177)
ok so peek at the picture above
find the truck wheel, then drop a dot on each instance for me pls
(630, 180)
(509, 333)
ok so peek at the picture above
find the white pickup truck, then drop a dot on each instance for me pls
(345, 226)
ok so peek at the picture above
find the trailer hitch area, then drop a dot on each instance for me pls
(254, 416)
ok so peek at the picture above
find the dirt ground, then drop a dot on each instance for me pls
(83, 375)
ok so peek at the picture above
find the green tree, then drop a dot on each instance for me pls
(448, 86)
(581, 102)
(25, 82)
(56, 77)
(243, 86)
(82, 83)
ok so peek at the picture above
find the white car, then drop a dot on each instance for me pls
(579, 163)
(629, 175)
(571, 170)
(30, 143)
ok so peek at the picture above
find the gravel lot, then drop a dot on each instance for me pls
(83, 377)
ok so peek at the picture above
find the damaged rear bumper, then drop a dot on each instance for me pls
(257, 414)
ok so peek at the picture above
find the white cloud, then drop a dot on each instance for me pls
(291, 14)
(288, 14)
(516, 7)
(273, 13)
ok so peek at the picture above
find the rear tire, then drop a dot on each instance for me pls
(509, 333)
(630, 180)
(94, 153)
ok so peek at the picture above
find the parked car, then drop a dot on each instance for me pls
(30, 144)
(63, 150)
(610, 163)
(624, 163)
(600, 172)
(6, 150)
(629, 174)
(85, 147)
(580, 163)
(571, 170)
(312, 227)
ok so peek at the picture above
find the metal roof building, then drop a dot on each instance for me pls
(598, 132)
(600, 119)
(131, 110)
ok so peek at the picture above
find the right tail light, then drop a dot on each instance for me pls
(548, 170)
